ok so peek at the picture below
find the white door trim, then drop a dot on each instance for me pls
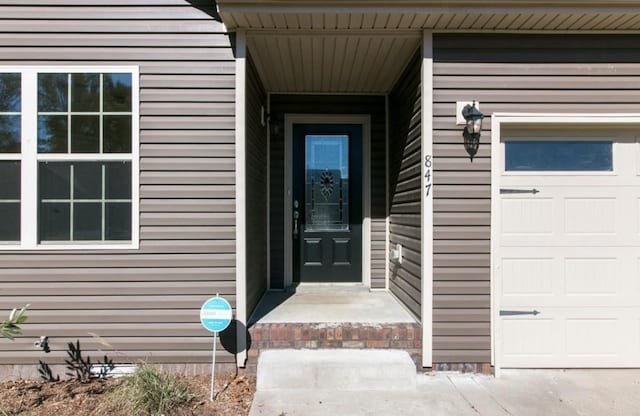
(525, 119)
(365, 121)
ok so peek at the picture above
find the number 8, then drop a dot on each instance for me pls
(427, 161)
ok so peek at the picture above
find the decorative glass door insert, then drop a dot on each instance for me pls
(327, 182)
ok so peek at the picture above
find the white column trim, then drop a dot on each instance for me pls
(241, 209)
(268, 127)
(427, 199)
(387, 197)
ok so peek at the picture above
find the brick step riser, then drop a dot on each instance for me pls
(269, 336)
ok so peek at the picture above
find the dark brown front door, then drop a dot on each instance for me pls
(327, 202)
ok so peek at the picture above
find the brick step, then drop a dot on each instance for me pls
(345, 335)
(335, 369)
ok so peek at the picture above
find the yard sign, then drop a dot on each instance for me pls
(215, 316)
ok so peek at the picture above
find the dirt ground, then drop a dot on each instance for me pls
(71, 398)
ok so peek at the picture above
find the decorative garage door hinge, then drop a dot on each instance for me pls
(518, 191)
(516, 313)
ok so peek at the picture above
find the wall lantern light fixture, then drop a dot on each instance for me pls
(472, 129)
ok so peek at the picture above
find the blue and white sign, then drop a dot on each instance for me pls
(215, 314)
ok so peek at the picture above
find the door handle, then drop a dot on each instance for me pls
(296, 215)
(517, 313)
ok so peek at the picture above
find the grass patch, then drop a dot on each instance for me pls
(149, 392)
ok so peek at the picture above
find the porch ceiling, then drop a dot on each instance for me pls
(331, 63)
(451, 15)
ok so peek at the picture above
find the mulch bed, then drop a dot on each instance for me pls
(72, 398)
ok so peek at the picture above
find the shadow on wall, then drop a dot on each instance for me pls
(404, 166)
(229, 339)
(209, 7)
(270, 301)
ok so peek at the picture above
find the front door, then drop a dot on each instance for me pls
(327, 203)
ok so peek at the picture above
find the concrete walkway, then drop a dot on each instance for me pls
(516, 392)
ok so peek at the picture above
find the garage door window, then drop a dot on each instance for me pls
(558, 155)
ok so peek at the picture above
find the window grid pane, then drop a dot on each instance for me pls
(81, 99)
(9, 201)
(86, 212)
(10, 112)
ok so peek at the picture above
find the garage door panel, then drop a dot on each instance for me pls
(572, 219)
(527, 216)
(528, 338)
(637, 216)
(572, 337)
(567, 276)
(591, 338)
(590, 216)
(527, 276)
(591, 276)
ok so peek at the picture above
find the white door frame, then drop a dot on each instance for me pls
(526, 119)
(365, 122)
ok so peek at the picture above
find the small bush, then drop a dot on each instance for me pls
(149, 392)
(10, 328)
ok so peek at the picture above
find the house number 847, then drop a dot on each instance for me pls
(427, 175)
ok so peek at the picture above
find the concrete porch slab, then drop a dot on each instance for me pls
(328, 302)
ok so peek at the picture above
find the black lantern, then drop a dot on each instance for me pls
(473, 128)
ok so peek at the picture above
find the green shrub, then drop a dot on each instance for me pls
(10, 328)
(149, 392)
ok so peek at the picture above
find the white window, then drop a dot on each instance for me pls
(69, 157)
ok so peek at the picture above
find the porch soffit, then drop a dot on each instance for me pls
(451, 15)
(331, 63)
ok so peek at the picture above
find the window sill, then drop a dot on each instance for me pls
(71, 247)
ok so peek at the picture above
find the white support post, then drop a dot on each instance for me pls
(427, 199)
(241, 209)
(387, 197)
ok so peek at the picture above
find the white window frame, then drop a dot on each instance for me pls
(29, 158)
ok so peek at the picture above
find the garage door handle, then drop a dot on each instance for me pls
(516, 313)
(519, 191)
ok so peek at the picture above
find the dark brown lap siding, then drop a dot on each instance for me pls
(256, 183)
(138, 304)
(505, 73)
(405, 135)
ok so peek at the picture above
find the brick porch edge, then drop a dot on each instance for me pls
(268, 336)
(401, 336)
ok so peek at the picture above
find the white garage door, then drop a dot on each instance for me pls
(568, 253)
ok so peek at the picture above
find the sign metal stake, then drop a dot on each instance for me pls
(213, 365)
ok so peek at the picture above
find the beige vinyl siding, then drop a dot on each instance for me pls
(137, 304)
(506, 73)
(404, 185)
(256, 182)
(329, 104)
